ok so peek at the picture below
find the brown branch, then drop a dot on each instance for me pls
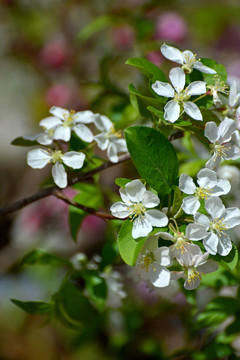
(50, 191)
(61, 196)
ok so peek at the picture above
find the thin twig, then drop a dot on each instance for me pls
(50, 191)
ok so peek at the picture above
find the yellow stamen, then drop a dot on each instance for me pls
(203, 193)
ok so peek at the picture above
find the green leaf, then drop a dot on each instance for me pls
(219, 68)
(72, 306)
(108, 254)
(95, 26)
(231, 260)
(21, 141)
(154, 157)
(141, 102)
(42, 257)
(129, 248)
(96, 287)
(90, 195)
(147, 68)
(122, 182)
(177, 201)
(34, 307)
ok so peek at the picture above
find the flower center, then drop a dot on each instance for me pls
(68, 120)
(147, 259)
(137, 210)
(220, 149)
(180, 241)
(193, 275)
(218, 226)
(56, 156)
(189, 62)
(219, 86)
(181, 96)
(203, 193)
(113, 133)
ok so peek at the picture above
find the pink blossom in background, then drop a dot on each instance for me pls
(155, 57)
(54, 54)
(171, 26)
(233, 69)
(122, 37)
(93, 224)
(58, 95)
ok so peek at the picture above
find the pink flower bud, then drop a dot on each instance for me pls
(58, 95)
(54, 54)
(171, 26)
(155, 57)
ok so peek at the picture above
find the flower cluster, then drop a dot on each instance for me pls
(59, 127)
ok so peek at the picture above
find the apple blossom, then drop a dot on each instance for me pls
(186, 58)
(221, 219)
(136, 200)
(219, 86)
(195, 264)
(180, 96)
(222, 146)
(109, 139)
(39, 158)
(208, 186)
(152, 261)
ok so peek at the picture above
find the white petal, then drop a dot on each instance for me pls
(135, 190)
(172, 53)
(211, 243)
(150, 200)
(187, 55)
(196, 232)
(156, 218)
(38, 158)
(120, 210)
(186, 184)
(74, 159)
(214, 207)
(83, 132)
(221, 188)
(163, 89)
(59, 112)
(226, 129)
(207, 178)
(159, 276)
(208, 267)
(224, 245)
(85, 117)
(59, 175)
(231, 151)
(211, 132)
(112, 152)
(102, 141)
(171, 111)
(232, 217)
(162, 256)
(213, 162)
(205, 69)
(192, 110)
(202, 219)
(121, 145)
(233, 98)
(62, 133)
(102, 122)
(175, 275)
(196, 88)
(141, 227)
(50, 122)
(190, 205)
(191, 284)
(178, 78)
(44, 139)
(150, 245)
(165, 235)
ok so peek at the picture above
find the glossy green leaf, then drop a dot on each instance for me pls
(122, 182)
(219, 68)
(177, 201)
(147, 68)
(96, 288)
(141, 102)
(21, 141)
(95, 26)
(231, 260)
(154, 157)
(34, 307)
(129, 248)
(90, 195)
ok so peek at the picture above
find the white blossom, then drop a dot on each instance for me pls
(229, 106)
(39, 158)
(64, 122)
(115, 292)
(209, 186)
(222, 145)
(109, 139)
(195, 264)
(152, 261)
(174, 108)
(217, 225)
(136, 201)
(218, 87)
(185, 58)
(193, 232)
